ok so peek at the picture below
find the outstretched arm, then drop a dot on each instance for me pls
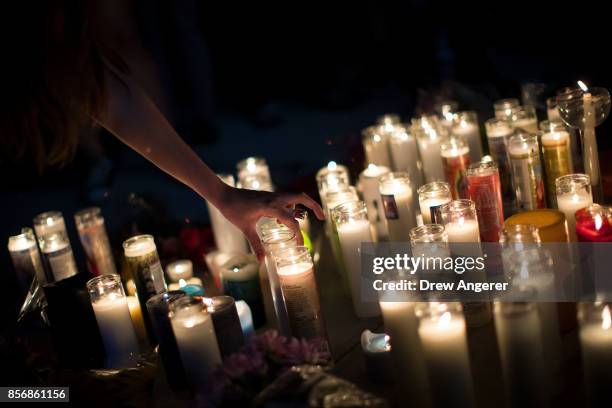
(133, 118)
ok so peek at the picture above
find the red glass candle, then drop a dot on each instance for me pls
(484, 188)
(594, 224)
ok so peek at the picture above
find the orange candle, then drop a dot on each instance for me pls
(550, 223)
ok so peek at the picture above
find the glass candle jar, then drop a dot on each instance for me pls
(93, 236)
(226, 322)
(257, 182)
(442, 331)
(573, 193)
(113, 316)
(550, 223)
(369, 188)
(228, 237)
(552, 109)
(299, 287)
(58, 259)
(596, 345)
(388, 121)
(484, 189)
(465, 125)
(253, 166)
(332, 180)
(498, 134)
(333, 170)
(525, 118)
(376, 146)
(505, 107)
(430, 241)
(181, 269)
(397, 205)
(196, 340)
(431, 197)
(594, 224)
(527, 178)
(405, 154)
(520, 233)
(428, 134)
(460, 221)
(26, 258)
(456, 158)
(353, 226)
(240, 280)
(556, 154)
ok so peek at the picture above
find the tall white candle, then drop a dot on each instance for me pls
(113, 316)
(376, 146)
(228, 237)
(466, 127)
(26, 258)
(368, 186)
(253, 166)
(354, 228)
(431, 197)
(396, 195)
(429, 149)
(94, 239)
(443, 338)
(405, 154)
(58, 259)
(573, 193)
(195, 336)
(596, 342)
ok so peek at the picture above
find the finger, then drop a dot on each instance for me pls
(256, 245)
(304, 199)
(284, 217)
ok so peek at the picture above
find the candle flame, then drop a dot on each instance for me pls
(377, 138)
(387, 342)
(251, 165)
(372, 167)
(598, 222)
(444, 320)
(332, 165)
(583, 86)
(606, 319)
(182, 283)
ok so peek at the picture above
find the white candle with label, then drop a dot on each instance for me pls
(443, 338)
(431, 197)
(354, 228)
(196, 340)
(573, 193)
(396, 195)
(368, 186)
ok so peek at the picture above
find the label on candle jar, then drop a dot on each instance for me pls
(527, 178)
(484, 190)
(390, 206)
(148, 275)
(60, 263)
(97, 248)
(27, 265)
(435, 214)
(454, 169)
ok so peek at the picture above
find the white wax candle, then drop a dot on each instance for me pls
(182, 269)
(197, 344)
(57, 255)
(405, 156)
(409, 362)
(463, 230)
(299, 289)
(568, 204)
(214, 261)
(471, 134)
(351, 235)
(521, 349)
(117, 331)
(246, 317)
(429, 150)
(596, 341)
(428, 204)
(376, 148)
(368, 185)
(228, 237)
(399, 210)
(445, 349)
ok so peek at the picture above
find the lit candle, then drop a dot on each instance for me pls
(596, 342)
(58, 259)
(505, 107)
(376, 146)
(228, 237)
(196, 340)
(137, 319)
(465, 126)
(456, 159)
(405, 154)
(181, 269)
(353, 228)
(257, 182)
(253, 166)
(498, 134)
(26, 258)
(431, 197)
(556, 154)
(246, 317)
(158, 308)
(377, 350)
(525, 118)
(427, 132)
(526, 167)
(443, 338)
(431, 241)
(396, 196)
(484, 189)
(114, 321)
(93, 236)
(145, 269)
(573, 193)
(368, 186)
(594, 224)
(275, 238)
(552, 109)
(460, 221)
(226, 322)
(520, 345)
(214, 261)
(331, 177)
(240, 279)
(299, 287)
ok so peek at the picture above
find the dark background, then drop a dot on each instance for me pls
(296, 85)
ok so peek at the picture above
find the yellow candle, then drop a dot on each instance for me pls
(137, 320)
(550, 223)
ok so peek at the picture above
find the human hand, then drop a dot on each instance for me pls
(244, 208)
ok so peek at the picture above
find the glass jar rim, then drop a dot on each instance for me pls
(434, 187)
(427, 231)
(43, 218)
(569, 182)
(106, 280)
(132, 240)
